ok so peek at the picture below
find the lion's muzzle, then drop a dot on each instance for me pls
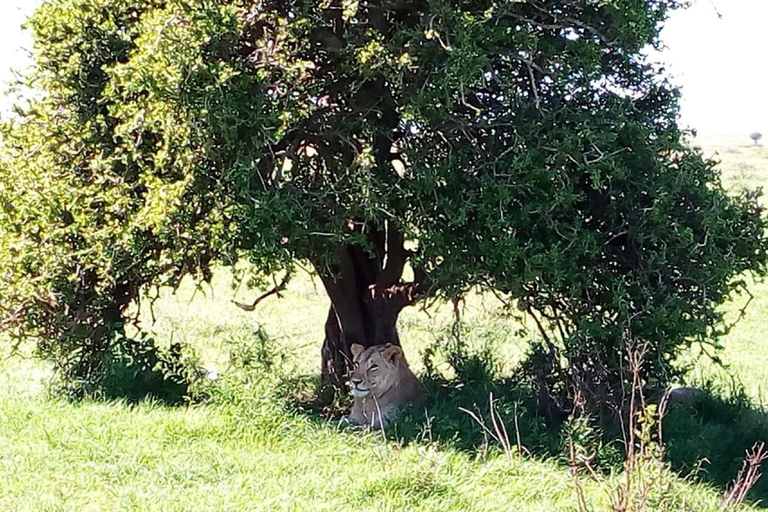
(358, 390)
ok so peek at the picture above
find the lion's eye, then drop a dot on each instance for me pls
(374, 367)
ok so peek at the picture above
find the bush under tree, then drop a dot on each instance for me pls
(526, 147)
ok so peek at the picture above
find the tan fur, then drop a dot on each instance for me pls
(382, 383)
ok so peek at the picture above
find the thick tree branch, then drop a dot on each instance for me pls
(402, 294)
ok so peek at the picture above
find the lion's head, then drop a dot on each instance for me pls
(375, 369)
(381, 382)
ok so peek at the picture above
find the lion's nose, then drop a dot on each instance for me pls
(355, 382)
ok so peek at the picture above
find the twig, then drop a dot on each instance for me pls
(746, 479)
(274, 291)
(573, 467)
(499, 433)
(501, 430)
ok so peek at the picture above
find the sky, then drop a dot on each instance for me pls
(715, 50)
(12, 38)
(720, 63)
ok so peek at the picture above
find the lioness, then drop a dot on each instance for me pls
(381, 383)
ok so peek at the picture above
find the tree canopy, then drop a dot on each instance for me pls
(404, 148)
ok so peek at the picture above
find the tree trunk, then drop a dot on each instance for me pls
(367, 295)
(336, 355)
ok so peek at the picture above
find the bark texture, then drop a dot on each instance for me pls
(367, 294)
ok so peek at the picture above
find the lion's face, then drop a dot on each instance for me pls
(375, 369)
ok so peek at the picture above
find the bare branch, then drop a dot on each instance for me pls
(274, 291)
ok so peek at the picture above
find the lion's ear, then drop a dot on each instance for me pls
(392, 352)
(356, 349)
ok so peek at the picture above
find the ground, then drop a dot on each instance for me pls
(252, 446)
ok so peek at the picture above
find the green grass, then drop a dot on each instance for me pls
(246, 451)
(252, 446)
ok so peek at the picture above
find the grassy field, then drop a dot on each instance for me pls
(252, 446)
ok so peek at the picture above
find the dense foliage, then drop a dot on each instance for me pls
(523, 146)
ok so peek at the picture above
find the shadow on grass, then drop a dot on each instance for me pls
(140, 370)
(706, 440)
(443, 419)
(446, 417)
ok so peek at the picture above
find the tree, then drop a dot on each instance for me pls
(404, 149)
(756, 136)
